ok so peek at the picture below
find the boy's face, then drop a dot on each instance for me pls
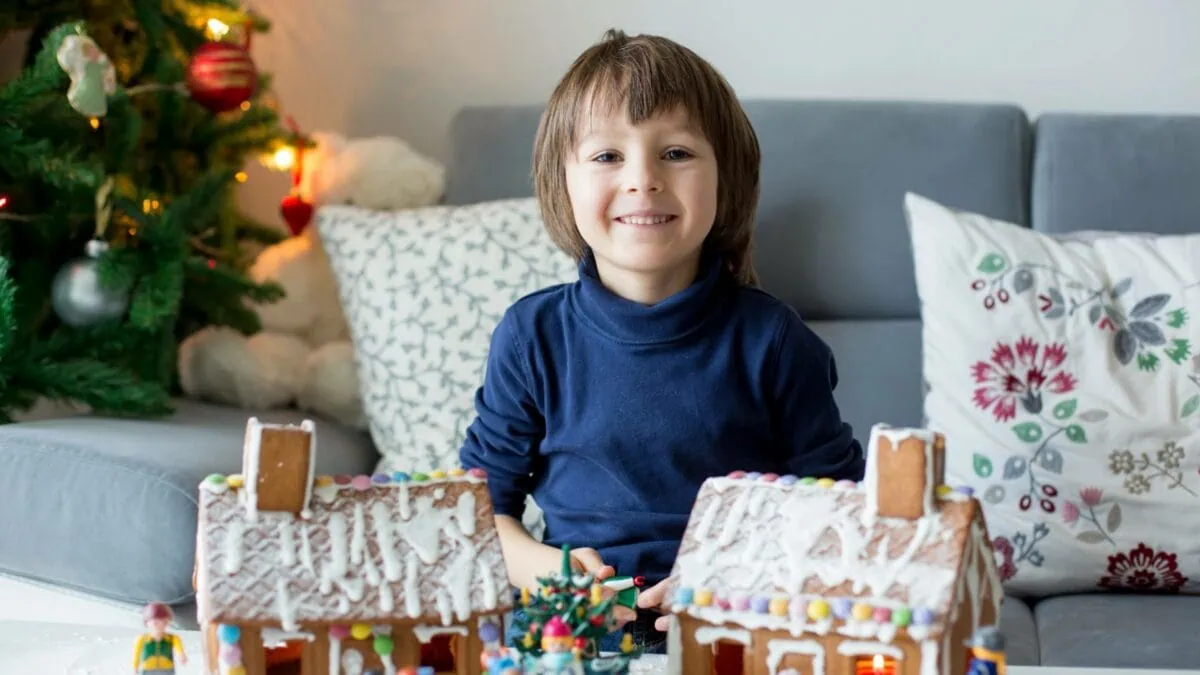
(157, 626)
(644, 197)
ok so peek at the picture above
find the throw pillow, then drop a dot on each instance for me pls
(422, 290)
(1062, 371)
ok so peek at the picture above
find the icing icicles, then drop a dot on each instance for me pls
(233, 548)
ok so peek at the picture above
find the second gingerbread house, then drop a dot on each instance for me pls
(890, 576)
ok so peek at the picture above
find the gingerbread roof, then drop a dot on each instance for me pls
(803, 556)
(367, 549)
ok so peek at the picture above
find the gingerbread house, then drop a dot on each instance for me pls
(890, 576)
(357, 572)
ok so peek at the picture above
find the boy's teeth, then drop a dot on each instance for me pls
(644, 220)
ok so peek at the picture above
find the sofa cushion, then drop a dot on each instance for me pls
(1020, 632)
(1119, 631)
(1062, 372)
(108, 506)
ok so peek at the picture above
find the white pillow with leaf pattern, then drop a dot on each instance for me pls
(422, 290)
(1063, 371)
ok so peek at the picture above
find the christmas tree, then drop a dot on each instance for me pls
(121, 145)
(570, 613)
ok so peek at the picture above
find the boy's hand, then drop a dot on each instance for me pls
(653, 598)
(587, 560)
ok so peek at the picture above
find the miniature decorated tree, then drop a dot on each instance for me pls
(565, 621)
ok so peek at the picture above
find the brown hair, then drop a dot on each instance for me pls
(650, 75)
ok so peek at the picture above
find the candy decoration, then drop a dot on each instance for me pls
(437, 475)
(760, 604)
(737, 475)
(399, 476)
(788, 480)
(477, 473)
(360, 631)
(778, 607)
(361, 482)
(683, 596)
(753, 475)
(384, 645)
(231, 655)
(799, 609)
(215, 479)
(457, 473)
(741, 602)
(818, 609)
(861, 611)
(841, 607)
(236, 670)
(883, 614)
(220, 76)
(228, 633)
(942, 490)
(902, 616)
(965, 490)
(489, 632)
(235, 481)
(808, 480)
(703, 597)
(419, 477)
(342, 479)
(770, 477)
(922, 617)
(381, 479)
(339, 631)
(825, 483)
(846, 485)
(323, 480)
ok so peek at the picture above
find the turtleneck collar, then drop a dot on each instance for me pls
(669, 319)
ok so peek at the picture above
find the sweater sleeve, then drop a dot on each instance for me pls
(508, 428)
(812, 435)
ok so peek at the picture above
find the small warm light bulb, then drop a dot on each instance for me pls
(145, 206)
(245, 106)
(241, 176)
(217, 28)
(95, 122)
(3, 201)
(285, 157)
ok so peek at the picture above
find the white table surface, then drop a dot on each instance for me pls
(77, 649)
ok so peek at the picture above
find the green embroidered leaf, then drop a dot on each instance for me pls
(1190, 406)
(1148, 362)
(1179, 350)
(1177, 318)
(992, 263)
(1148, 333)
(1030, 432)
(1076, 433)
(1065, 409)
(1122, 286)
(983, 466)
(1114, 518)
(1090, 537)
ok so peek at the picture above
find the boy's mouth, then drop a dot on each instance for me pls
(648, 219)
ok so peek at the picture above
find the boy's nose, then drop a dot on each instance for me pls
(642, 179)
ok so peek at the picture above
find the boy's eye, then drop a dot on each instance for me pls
(676, 154)
(605, 157)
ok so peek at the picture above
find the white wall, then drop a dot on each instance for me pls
(404, 66)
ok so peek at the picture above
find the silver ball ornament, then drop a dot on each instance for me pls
(78, 297)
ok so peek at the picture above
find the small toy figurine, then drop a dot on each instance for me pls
(156, 651)
(986, 652)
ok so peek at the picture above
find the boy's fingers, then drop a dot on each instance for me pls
(653, 596)
(662, 624)
(623, 615)
(588, 558)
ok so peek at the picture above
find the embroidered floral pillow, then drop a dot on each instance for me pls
(1062, 372)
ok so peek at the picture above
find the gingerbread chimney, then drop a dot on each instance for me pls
(277, 465)
(903, 472)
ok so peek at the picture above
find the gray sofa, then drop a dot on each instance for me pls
(107, 507)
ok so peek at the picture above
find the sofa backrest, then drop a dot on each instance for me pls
(832, 239)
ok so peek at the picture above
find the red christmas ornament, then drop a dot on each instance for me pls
(221, 76)
(296, 212)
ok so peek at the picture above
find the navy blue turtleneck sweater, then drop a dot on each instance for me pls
(612, 413)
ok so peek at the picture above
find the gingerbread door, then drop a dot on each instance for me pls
(283, 469)
(902, 477)
(795, 657)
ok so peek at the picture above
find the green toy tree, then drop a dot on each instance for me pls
(121, 144)
(580, 602)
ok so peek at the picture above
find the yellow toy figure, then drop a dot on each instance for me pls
(986, 649)
(156, 651)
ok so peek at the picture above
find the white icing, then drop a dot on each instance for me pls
(465, 514)
(707, 635)
(386, 602)
(854, 648)
(308, 426)
(748, 557)
(443, 607)
(439, 494)
(412, 585)
(352, 662)
(457, 579)
(918, 633)
(358, 540)
(233, 547)
(487, 583)
(425, 633)
(929, 659)
(335, 656)
(337, 543)
(403, 500)
(306, 557)
(274, 637)
(287, 545)
(674, 647)
(423, 533)
(777, 649)
(285, 606)
(385, 539)
(326, 493)
(250, 460)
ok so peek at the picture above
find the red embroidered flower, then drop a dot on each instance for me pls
(1070, 513)
(1143, 569)
(1091, 495)
(1020, 372)
(1004, 548)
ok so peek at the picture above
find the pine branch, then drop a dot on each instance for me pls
(103, 387)
(44, 77)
